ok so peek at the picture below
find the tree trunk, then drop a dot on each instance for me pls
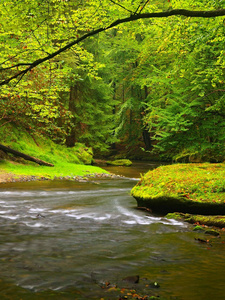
(145, 132)
(25, 156)
(147, 139)
(74, 96)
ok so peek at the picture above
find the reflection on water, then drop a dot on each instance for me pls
(134, 171)
(72, 237)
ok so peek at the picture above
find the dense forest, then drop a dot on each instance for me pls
(75, 72)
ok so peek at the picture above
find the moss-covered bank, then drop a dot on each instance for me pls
(217, 221)
(187, 188)
(68, 162)
(12, 172)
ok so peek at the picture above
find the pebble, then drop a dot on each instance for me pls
(84, 178)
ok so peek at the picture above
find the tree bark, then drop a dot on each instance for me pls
(25, 156)
(145, 132)
(73, 101)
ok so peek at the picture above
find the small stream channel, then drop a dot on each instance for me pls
(68, 240)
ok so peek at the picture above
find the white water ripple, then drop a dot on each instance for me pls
(10, 217)
(134, 218)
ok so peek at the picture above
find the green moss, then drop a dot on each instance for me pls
(175, 216)
(192, 188)
(198, 228)
(217, 221)
(120, 162)
(59, 170)
(206, 230)
(67, 161)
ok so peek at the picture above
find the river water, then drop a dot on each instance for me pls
(70, 240)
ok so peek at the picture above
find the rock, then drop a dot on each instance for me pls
(203, 241)
(198, 228)
(120, 162)
(40, 216)
(216, 221)
(154, 285)
(212, 232)
(132, 279)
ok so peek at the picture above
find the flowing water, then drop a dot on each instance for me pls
(70, 240)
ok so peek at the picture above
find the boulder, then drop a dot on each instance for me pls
(120, 162)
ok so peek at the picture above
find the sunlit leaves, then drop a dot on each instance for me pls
(185, 79)
(167, 73)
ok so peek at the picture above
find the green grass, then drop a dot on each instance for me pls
(59, 170)
(73, 161)
(194, 182)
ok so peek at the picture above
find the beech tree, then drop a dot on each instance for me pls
(43, 99)
(51, 48)
(136, 13)
(186, 105)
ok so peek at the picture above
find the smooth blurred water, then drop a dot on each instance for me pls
(63, 240)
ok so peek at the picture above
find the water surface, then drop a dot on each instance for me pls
(65, 240)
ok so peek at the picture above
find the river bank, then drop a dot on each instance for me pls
(180, 206)
(9, 177)
(14, 171)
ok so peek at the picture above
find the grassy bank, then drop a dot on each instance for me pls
(10, 171)
(187, 188)
(75, 161)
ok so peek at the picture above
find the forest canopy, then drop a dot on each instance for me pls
(142, 74)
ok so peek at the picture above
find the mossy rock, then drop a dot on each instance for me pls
(186, 188)
(166, 204)
(175, 216)
(120, 162)
(217, 221)
(199, 228)
(212, 232)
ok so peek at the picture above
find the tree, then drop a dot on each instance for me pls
(52, 69)
(135, 15)
(186, 100)
(175, 65)
(47, 96)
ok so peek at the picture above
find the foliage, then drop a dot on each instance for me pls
(157, 83)
(92, 111)
(186, 101)
(164, 77)
(40, 103)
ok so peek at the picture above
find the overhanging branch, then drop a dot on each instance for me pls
(175, 12)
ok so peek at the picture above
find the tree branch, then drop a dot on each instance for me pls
(15, 66)
(114, 2)
(175, 12)
(143, 6)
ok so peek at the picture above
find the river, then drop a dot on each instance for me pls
(70, 240)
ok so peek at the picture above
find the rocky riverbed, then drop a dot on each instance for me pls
(10, 177)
